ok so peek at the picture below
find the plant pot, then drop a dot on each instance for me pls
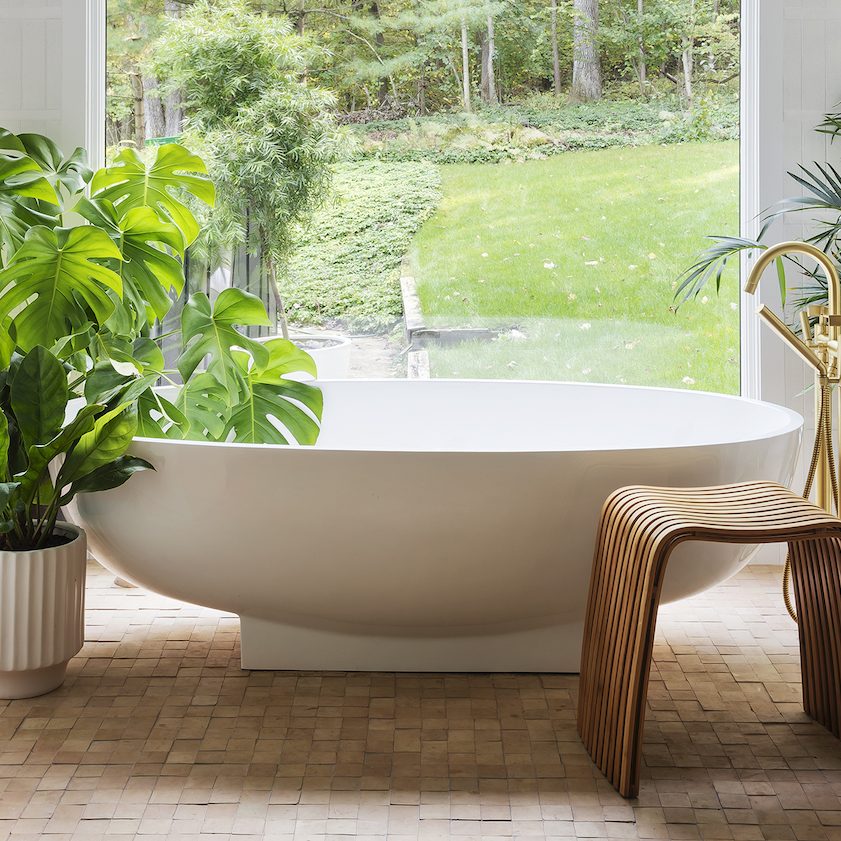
(330, 351)
(42, 614)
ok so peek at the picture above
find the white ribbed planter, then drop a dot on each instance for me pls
(42, 615)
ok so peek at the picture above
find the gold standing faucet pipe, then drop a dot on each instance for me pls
(818, 348)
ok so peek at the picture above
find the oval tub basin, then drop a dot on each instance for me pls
(437, 526)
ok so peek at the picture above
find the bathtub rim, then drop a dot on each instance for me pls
(795, 422)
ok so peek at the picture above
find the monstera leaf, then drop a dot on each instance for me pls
(158, 417)
(268, 397)
(131, 183)
(21, 177)
(53, 284)
(148, 270)
(205, 404)
(211, 333)
(22, 187)
(71, 173)
(9, 142)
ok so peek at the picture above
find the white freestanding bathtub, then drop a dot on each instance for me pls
(438, 525)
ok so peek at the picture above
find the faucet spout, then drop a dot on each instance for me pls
(807, 250)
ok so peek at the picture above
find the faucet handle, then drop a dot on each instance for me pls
(806, 326)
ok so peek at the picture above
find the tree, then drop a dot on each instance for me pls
(269, 134)
(642, 69)
(379, 41)
(556, 62)
(136, 109)
(465, 66)
(488, 79)
(688, 56)
(433, 23)
(586, 70)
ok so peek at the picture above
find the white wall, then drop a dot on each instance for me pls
(47, 62)
(800, 73)
(797, 80)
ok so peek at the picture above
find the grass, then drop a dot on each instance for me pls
(574, 258)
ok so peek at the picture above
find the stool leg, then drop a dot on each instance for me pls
(619, 634)
(816, 573)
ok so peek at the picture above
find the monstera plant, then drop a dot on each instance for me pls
(95, 294)
(90, 263)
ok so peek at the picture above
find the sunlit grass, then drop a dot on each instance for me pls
(586, 238)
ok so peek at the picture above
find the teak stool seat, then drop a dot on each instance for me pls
(640, 526)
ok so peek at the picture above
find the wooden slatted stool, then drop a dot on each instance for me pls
(640, 526)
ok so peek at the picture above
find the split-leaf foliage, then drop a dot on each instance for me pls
(90, 263)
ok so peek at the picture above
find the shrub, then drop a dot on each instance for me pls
(539, 127)
(346, 265)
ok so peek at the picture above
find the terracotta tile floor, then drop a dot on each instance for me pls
(158, 733)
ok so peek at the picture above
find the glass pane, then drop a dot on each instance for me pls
(537, 180)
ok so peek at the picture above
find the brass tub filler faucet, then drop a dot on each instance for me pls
(818, 347)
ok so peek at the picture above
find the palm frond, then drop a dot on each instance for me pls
(823, 186)
(831, 125)
(710, 264)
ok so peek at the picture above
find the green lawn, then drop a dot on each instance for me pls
(574, 258)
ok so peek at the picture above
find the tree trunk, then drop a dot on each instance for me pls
(154, 105)
(422, 92)
(454, 69)
(271, 272)
(483, 67)
(491, 52)
(556, 61)
(642, 69)
(586, 67)
(687, 60)
(139, 109)
(379, 41)
(688, 57)
(716, 12)
(174, 115)
(162, 114)
(465, 67)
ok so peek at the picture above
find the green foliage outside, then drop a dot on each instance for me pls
(484, 92)
(417, 58)
(347, 263)
(268, 134)
(578, 255)
(541, 127)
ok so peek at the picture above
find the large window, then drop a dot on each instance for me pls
(538, 176)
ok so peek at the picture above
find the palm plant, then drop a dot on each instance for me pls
(78, 306)
(821, 184)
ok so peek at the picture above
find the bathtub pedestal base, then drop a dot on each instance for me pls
(277, 646)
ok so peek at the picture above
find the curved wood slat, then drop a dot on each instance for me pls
(639, 528)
